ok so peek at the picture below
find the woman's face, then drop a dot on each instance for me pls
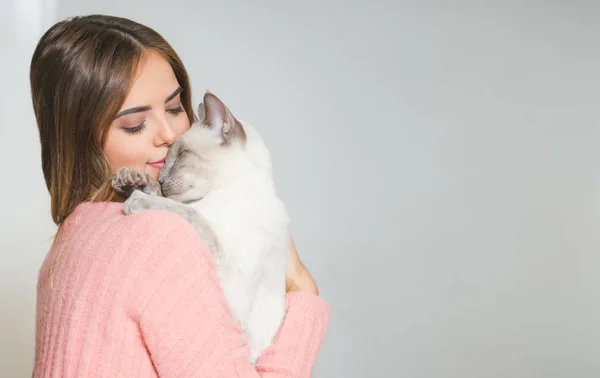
(151, 118)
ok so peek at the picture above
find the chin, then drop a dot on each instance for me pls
(174, 197)
(153, 172)
(179, 197)
(188, 196)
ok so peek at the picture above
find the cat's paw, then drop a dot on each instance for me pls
(138, 201)
(153, 187)
(127, 180)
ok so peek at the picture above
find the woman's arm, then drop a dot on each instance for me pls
(188, 329)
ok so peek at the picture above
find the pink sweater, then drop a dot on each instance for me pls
(137, 296)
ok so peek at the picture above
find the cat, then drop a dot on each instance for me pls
(218, 176)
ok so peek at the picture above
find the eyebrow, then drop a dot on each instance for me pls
(139, 109)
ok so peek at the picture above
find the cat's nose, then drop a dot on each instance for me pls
(161, 181)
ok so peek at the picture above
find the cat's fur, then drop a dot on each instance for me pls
(217, 175)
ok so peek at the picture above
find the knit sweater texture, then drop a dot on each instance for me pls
(137, 296)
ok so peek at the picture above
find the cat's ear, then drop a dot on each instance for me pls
(216, 116)
(201, 112)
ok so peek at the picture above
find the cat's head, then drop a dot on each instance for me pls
(216, 152)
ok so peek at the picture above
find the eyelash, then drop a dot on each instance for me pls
(175, 111)
(138, 129)
(135, 130)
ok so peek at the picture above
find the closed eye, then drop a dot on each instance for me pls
(175, 111)
(135, 129)
(188, 201)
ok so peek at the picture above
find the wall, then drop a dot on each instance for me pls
(439, 163)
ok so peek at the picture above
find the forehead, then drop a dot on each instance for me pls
(200, 140)
(154, 80)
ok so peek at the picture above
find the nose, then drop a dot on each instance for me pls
(162, 176)
(166, 134)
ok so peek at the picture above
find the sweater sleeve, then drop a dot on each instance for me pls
(188, 329)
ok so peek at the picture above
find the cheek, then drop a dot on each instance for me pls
(124, 150)
(182, 124)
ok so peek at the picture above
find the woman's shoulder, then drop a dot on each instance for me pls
(104, 223)
(101, 250)
(105, 213)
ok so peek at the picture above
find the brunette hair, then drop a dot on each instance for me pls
(80, 74)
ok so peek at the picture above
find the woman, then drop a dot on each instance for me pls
(136, 295)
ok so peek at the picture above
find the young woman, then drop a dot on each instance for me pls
(135, 295)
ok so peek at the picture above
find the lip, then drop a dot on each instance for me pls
(157, 164)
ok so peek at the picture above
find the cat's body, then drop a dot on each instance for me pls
(217, 175)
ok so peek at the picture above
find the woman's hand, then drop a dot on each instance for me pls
(298, 278)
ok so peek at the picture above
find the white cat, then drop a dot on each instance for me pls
(217, 175)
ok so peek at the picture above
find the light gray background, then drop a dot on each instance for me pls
(439, 161)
